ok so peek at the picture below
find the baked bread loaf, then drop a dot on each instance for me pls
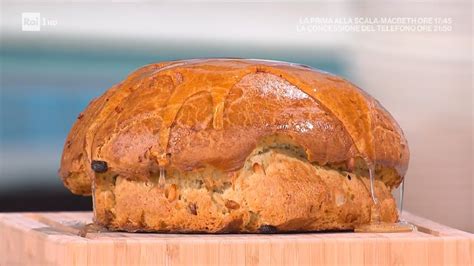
(231, 145)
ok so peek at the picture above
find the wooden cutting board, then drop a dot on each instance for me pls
(52, 239)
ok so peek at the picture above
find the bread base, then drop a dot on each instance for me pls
(274, 192)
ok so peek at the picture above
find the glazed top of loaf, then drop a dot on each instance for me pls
(213, 112)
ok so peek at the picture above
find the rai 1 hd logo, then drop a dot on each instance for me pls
(32, 21)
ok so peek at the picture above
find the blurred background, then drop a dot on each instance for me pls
(424, 78)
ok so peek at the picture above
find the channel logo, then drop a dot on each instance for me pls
(30, 21)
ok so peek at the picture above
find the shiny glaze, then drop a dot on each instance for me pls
(350, 106)
(188, 114)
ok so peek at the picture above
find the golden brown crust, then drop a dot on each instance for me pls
(214, 112)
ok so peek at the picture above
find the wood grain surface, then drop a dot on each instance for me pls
(53, 239)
